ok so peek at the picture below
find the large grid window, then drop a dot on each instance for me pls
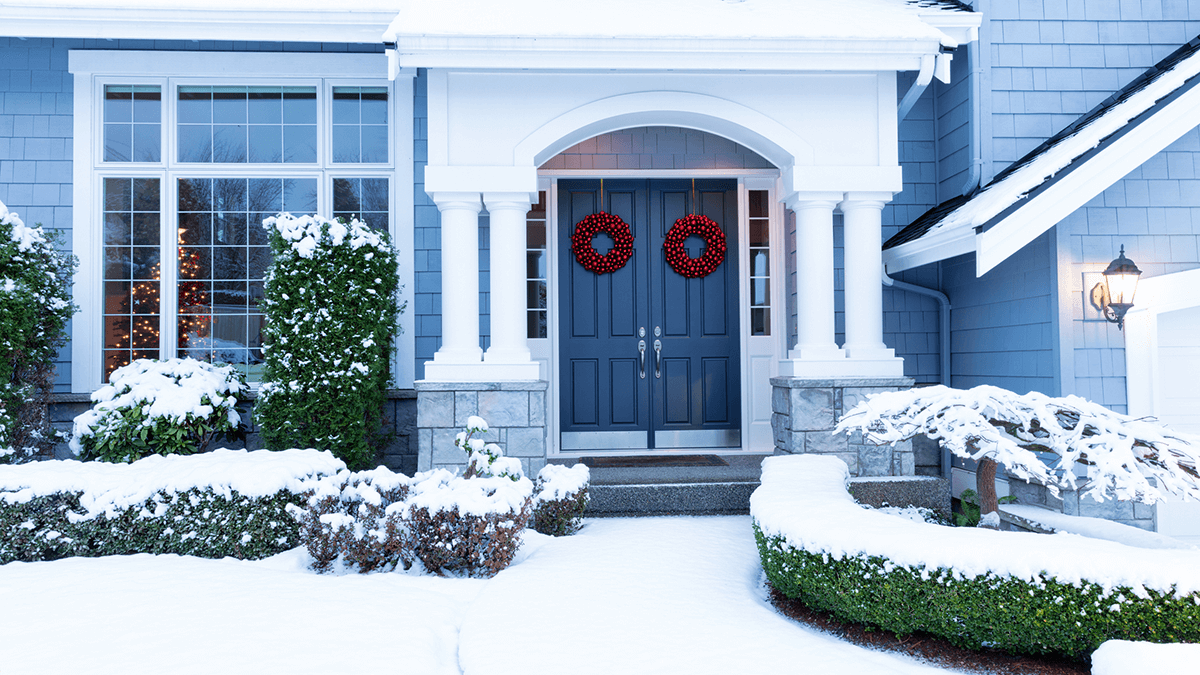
(236, 155)
(535, 256)
(760, 263)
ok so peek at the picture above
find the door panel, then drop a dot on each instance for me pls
(695, 400)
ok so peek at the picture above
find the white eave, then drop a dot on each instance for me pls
(1017, 208)
(352, 21)
(766, 35)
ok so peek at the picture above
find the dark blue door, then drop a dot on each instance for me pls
(649, 358)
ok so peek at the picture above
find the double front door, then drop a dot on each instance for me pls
(649, 359)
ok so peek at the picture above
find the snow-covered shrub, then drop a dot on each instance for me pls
(35, 305)
(1016, 591)
(346, 515)
(222, 503)
(485, 460)
(331, 312)
(465, 525)
(153, 407)
(560, 498)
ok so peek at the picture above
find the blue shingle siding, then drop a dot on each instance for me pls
(427, 239)
(1001, 326)
(36, 128)
(657, 148)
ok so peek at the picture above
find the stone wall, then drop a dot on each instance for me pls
(805, 411)
(1071, 503)
(515, 413)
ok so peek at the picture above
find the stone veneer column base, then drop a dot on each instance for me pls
(805, 411)
(515, 413)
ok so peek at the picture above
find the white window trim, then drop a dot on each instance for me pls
(93, 68)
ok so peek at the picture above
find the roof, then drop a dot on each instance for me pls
(354, 21)
(1088, 146)
(428, 31)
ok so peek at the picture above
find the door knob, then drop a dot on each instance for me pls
(657, 357)
(642, 355)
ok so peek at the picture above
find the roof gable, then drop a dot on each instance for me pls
(1063, 173)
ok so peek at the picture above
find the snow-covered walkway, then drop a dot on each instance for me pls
(652, 595)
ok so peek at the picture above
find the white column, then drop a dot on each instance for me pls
(864, 276)
(814, 278)
(509, 344)
(460, 351)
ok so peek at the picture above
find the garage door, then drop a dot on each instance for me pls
(1179, 404)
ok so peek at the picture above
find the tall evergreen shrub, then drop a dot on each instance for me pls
(331, 311)
(35, 305)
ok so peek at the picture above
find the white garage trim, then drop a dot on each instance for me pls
(1155, 296)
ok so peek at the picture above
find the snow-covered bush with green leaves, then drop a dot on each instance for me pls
(560, 498)
(35, 306)
(485, 460)
(153, 407)
(331, 312)
(220, 503)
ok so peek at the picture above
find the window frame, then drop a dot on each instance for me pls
(95, 69)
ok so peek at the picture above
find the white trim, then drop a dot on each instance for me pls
(93, 69)
(932, 247)
(1155, 296)
(299, 21)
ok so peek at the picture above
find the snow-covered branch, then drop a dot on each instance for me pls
(1124, 457)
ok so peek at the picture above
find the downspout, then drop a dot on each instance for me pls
(975, 138)
(943, 344)
(943, 316)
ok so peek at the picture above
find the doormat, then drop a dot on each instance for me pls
(650, 461)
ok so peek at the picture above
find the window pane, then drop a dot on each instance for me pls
(360, 131)
(233, 125)
(132, 123)
(535, 267)
(300, 195)
(362, 198)
(131, 273)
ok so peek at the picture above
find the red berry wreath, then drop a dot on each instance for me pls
(714, 246)
(585, 253)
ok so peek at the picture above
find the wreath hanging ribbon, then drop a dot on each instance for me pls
(714, 246)
(586, 254)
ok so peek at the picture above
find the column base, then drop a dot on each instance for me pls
(480, 372)
(842, 367)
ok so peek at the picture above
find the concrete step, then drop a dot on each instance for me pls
(660, 499)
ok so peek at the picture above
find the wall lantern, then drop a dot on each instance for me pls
(1114, 297)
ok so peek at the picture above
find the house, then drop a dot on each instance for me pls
(803, 133)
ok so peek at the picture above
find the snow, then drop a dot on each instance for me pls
(440, 490)
(1097, 528)
(1121, 657)
(669, 19)
(638, 596)
(999, 195)
(109, 488)
(25, 236)
(803, 498)
(558, 481)
(305, 233)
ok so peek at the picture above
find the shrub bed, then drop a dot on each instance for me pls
(224, 503)
(1020, 592)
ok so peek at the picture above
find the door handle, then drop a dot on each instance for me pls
(642, 354)
(658, 358)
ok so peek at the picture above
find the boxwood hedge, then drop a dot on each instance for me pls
(1041, 616)
(197, 522)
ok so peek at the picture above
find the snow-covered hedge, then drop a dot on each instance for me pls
(347, 515)
(152, 407)
(560, 500)
(222, 503)
(331, 311)
(1021, 592)
(35, 305)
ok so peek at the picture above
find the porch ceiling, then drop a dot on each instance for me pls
(679, 34)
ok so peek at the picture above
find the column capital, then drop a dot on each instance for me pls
(866, 199)
(802, 199)
(508, 200)
(457, 200)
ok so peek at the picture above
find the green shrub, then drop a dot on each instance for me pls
(331, 311)
(197, 522)
(152, 407)
(35, 305)
(347, 515)
(560, 498)
(1043, 616)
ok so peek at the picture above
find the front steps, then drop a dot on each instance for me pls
(670, 484)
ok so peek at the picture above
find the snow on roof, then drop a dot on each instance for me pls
(693, 19)
(1133, 105)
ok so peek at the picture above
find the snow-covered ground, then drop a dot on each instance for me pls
(649, 595)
